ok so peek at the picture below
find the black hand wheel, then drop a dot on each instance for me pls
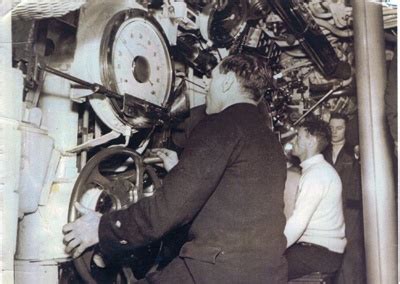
(113, 179)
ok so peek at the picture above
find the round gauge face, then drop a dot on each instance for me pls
(138, 61)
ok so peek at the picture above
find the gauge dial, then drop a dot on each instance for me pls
(136, 57)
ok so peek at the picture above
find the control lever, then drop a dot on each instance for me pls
(96, 88)
(152, 160)
(132, 105)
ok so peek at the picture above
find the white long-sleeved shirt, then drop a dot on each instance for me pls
(318, 214)
(290, 192)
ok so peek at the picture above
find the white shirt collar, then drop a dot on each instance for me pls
(336, 148)
(311, 161)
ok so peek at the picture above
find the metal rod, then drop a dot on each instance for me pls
(64, 75)
(316, 104)
(152, 160)
(96, 88)
(85, 136)
(200, 86)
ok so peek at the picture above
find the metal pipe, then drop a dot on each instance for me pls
(376, 161)
(85, 136)
(316, 104)
(152, 160)
(92, 86)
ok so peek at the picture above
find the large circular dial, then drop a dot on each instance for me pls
(136, 59)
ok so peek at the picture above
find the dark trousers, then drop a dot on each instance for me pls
(353, 269)
(190, 271)
(305, 258)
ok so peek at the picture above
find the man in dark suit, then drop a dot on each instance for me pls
(340, 154)
(228, 184)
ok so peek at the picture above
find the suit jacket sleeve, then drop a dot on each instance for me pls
(185, 190)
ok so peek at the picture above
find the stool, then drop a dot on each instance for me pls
(314, 278)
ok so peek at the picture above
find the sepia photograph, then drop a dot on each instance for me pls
(198, 141)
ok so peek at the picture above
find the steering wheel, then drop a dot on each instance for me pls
(113, 179)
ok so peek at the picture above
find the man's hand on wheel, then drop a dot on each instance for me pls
(83, 232)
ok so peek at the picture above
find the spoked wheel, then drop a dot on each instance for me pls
(113, 179)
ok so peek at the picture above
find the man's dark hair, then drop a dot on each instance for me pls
(251, 71)
(337, 115)
(319, 129)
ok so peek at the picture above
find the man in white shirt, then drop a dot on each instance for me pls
(315, 232)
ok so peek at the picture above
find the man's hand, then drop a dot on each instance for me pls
(169, 157)
(83, 232)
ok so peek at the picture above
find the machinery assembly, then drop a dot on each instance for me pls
(88, 87)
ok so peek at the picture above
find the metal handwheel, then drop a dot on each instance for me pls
(113, 179)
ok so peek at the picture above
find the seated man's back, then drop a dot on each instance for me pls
(320, 186)
(316, 230)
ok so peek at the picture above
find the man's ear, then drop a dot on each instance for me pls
(313, 140)
(229, 80)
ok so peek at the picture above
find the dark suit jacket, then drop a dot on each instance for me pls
(348, 168)
(229, 183)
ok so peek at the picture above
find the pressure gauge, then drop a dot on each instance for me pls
(135, 58)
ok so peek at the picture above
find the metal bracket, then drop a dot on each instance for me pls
(95, 142)
(79, 94)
